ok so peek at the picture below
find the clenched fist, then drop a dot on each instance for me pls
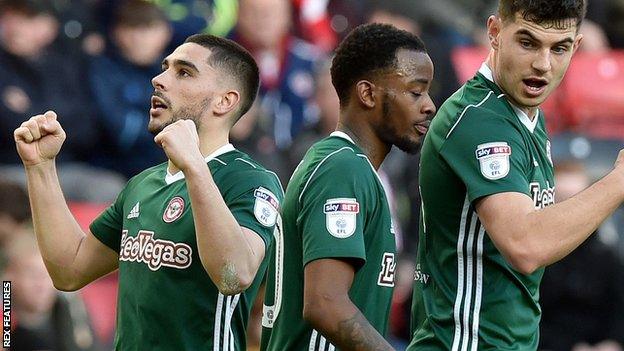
(181, 144)
(39, 139)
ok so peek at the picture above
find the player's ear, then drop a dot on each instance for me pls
(577, 42)
(494, 26)
(365, 91)
(226, 102)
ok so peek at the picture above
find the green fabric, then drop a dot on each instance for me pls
(166, 299)
(335, 207)
(466, 295)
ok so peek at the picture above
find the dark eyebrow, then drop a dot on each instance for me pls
(420, 81)
(178, 62)
(567, 40)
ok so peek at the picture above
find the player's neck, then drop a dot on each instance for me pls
(365, 138)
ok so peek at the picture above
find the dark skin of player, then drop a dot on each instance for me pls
(392, 108)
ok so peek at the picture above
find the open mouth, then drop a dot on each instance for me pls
(535, 86)
(158, 103)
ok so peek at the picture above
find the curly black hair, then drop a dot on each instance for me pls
(367, 50)
(550, 12)
(235, 60)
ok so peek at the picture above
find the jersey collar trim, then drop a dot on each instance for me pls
(171, 178)
(343, 135)
(522, 116)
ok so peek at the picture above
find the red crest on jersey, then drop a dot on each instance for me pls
(174, 210)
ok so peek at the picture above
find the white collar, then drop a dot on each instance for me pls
(522, 116)
(343, 135)
(170, 178)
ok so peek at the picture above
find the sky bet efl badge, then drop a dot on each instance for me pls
(266, 207)
(340, 217)
(494, 159)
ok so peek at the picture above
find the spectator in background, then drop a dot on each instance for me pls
(14, 213)
(405, 14)
(286, 66)
(43, 319)
(187, 17)
(326, 100)
(250, 137)
(121, 83)
(35, 75)
(582, 296)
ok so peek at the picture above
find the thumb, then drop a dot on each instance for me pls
(50, 115)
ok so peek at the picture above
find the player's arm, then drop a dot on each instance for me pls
(328, 308)
(73, 258)
(230, 254)
(530, 238)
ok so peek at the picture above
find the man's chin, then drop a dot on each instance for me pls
(155, 129)
(408, 146)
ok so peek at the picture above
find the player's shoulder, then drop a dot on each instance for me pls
(334, 150)
(333, 159)
(475, 107)
(238, 168)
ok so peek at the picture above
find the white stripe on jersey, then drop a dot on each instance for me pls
(313, 340)
(322, 344)
(469, 281)
(226, 323)
(217, 323)
(465, 282)
(230, 306)
(478, 292)
(460, 274)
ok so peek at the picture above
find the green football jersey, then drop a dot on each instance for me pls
(167, 300)
(335, 207)
(466, 295)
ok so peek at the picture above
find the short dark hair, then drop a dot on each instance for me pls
(29, 7)
(14, 201)
(367, 50)
(138, 13)
(234, 60)
(552, 12)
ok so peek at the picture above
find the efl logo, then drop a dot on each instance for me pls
(6, 314)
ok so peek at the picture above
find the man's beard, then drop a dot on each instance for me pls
(193, 112)
(389, 134)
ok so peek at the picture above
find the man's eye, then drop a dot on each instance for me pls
(560, 49)
(526, 44)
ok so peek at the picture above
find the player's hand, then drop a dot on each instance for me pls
(181, 144)
(39, 139)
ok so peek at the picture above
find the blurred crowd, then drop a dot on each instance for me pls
(92, 62)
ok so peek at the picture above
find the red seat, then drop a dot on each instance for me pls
(100, 297)
(593, 93)
(467, 60)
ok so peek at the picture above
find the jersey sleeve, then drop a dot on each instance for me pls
(488, 154)
(332, 209)
(108, 225)
(255, 201)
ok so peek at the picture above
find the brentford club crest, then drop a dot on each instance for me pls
(174, 209)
